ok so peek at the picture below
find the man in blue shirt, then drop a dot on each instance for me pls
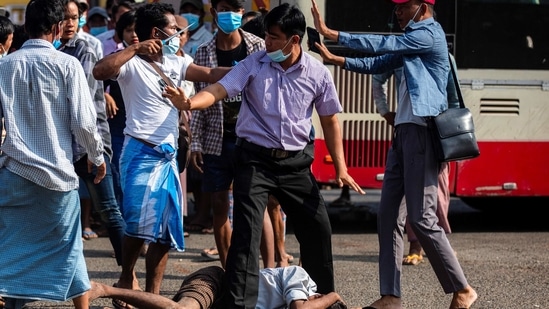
(412, 166)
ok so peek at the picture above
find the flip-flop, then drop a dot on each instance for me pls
(211, 254)
(412, 259)
(87, 235)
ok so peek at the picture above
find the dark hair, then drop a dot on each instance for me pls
(289, 18)
(338, 305)
(129, 4)
(6, 28)
(80, 9)
(42, 15)
(255, 26)
(19, 37)
(127, 19)
(237, 4)
(253, 14)
(149, 16)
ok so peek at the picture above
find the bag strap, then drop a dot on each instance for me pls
(182, 115)
(458, 90)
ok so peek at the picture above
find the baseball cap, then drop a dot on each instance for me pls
(97, 10)
(196, 3)
(404, 1)
(83, 5)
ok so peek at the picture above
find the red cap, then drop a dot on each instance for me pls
(404, 1)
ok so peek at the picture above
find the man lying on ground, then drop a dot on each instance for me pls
(288, 287)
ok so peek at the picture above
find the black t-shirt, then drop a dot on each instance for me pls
(231, 106)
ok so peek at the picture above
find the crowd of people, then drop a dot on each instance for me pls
(94, 102)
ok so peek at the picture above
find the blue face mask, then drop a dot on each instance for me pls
(229, 21)
(95, 31)
(193, 20)
(171, 47)
(278, 55)
(56, 43)
(81, 22)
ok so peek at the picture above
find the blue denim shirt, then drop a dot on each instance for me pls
(421, 50)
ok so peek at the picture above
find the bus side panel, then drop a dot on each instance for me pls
(505, 169)
(366, 176)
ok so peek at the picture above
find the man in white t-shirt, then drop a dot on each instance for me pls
(152, 195)
(279, 288)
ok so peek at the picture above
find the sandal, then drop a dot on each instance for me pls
(87, 235)
(211, 253)
(412, 259)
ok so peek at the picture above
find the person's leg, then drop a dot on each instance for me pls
(81, 302)
(443, 197)
(276, 216)
(421, 198)
(86, 209)
(390, 222)
(104, 201)
(139, 299)
(221, 224)
(267, 246)
(131, 248)
(250, 190)
(300, 198)
(155, 263)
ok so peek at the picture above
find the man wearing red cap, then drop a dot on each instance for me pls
(412, 167)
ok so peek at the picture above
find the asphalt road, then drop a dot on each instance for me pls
(505, 255)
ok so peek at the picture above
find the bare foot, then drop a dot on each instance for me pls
(463, 299)
(387, 302)
(97, 291)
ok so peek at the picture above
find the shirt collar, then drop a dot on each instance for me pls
(37, 43)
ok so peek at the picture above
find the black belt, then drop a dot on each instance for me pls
(270, 152)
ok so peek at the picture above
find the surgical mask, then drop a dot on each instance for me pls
(229, 21)
(56, 42)
(278, 55)
(95, 31)
(411, 21)
(171, 47)
(81, 21)
(193, 20)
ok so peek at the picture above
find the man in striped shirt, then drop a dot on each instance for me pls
(45, 104)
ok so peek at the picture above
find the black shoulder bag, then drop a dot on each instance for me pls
(454, 131)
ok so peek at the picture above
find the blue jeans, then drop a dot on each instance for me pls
(104, 201)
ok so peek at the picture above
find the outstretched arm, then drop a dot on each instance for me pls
(321, 26)
(201, 100)
(332, 136)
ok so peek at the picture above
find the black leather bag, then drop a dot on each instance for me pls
(454, 131)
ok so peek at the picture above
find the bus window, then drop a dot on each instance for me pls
(503, 34)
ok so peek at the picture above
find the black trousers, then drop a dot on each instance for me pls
(290, 180)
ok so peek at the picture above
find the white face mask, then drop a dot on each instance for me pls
(411, 21)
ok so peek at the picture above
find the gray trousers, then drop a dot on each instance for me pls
(412, 172)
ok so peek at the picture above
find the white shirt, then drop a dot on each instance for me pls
(278, 287)
(45, 102)
(149, 116)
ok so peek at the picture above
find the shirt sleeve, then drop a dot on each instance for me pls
(297, 284)
(379, 91)
(84, 115)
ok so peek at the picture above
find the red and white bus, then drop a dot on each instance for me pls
(502, 52)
